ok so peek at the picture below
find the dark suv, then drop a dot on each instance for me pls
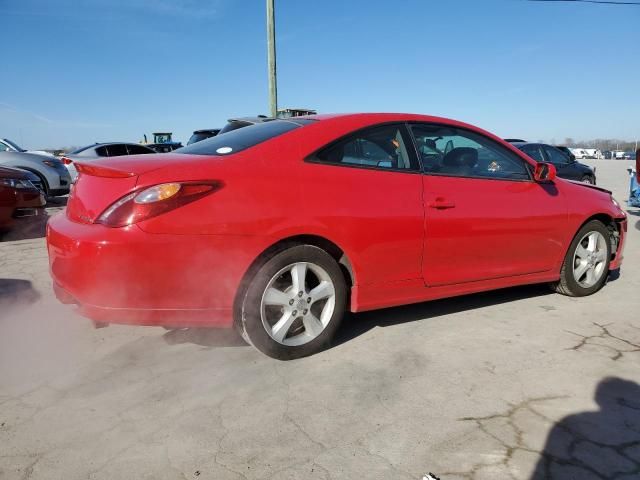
(566, 166)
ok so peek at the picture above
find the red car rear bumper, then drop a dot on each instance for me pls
(125, 275)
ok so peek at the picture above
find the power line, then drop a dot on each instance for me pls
(606, 2)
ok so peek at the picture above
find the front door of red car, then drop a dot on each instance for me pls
(485, 217)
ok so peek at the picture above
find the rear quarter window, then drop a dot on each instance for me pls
(138, 150)
(242, 138)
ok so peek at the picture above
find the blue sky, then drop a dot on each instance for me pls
(78, 71)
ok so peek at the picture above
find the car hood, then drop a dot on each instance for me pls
(585, 167)
(16, 173)
(588, 185)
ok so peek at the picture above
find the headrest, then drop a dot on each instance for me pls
(428, 142)
(461, 157)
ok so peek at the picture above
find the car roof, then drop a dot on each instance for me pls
(362, 120)
(380, 117)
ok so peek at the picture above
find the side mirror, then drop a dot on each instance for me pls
(544, 172)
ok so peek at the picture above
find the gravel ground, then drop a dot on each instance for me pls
(514, 384)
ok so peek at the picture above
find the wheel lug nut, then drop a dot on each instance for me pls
(295, 312)
(291, 302)
(309, 300)
(304, 312)
(299, 294)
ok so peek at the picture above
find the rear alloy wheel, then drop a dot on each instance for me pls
(586, 264)
(294, 303)
(588, 179)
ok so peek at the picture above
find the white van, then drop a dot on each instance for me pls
(592, 153)
(579, 153)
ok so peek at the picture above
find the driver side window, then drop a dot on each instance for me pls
(456, 152)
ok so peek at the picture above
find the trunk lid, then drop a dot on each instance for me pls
(91, 195)
(134, 164)
(7, 172)
(104, 181)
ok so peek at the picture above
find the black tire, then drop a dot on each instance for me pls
(567, 285)
(588, 179)
(249, 317)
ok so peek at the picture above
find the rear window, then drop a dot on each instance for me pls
(242, 138)
(138, 150)
(117, 150)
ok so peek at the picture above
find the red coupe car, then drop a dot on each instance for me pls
(280, 227)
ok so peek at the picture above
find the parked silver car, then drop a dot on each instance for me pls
(101, 150)
(7, 145)
(54, 176)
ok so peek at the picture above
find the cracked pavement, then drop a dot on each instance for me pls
(489, 386)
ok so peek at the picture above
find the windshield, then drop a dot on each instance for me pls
(14, 145)
(82, 149)
(242, 138)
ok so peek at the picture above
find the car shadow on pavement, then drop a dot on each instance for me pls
(360, 323)
(206, 337)
(16, 291)
(602, 444)
(57, 202)
(27, 228)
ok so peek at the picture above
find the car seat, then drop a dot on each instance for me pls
(460, 161)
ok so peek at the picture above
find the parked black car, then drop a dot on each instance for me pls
(566, 166)
(567, 151)
(203, 134)
(235, 123)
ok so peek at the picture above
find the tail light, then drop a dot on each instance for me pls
(66, 160)
(153, 201)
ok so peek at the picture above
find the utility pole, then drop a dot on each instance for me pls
(271, 58)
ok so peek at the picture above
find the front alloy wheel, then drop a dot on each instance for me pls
(586, 264)
(589, 259)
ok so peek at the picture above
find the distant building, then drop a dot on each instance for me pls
(295, 112)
